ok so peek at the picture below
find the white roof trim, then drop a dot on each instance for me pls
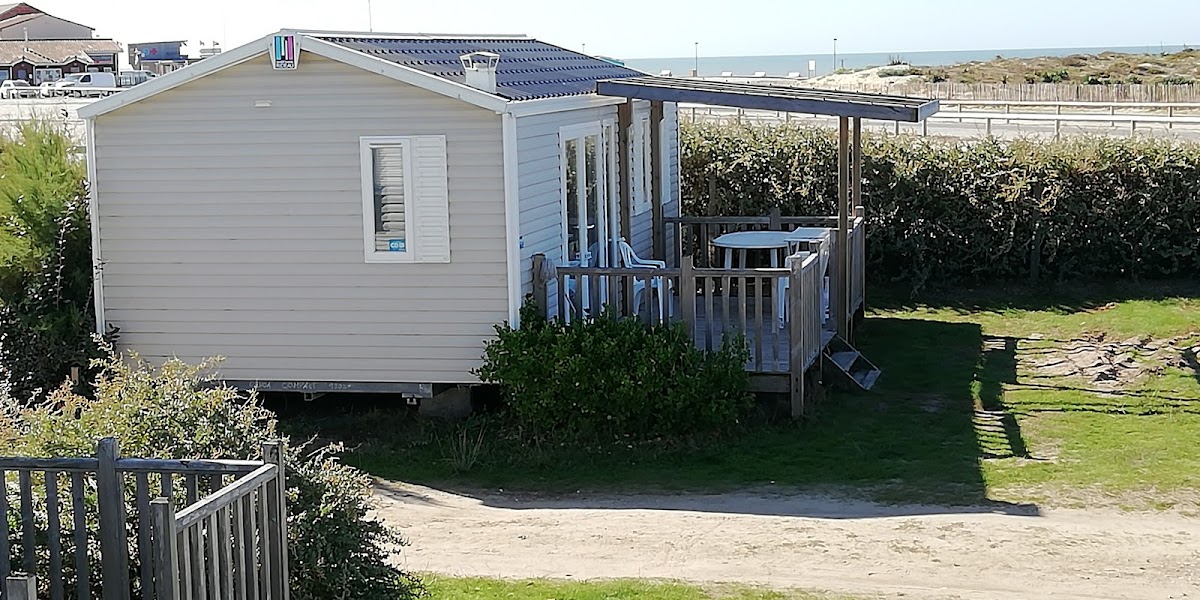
(354, 58)
(541, 106)
(177, 78)
(331, 51)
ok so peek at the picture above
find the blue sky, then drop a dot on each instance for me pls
(658, 28)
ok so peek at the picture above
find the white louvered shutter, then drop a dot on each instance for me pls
(431, 199)
(388, 166)
(405, 199)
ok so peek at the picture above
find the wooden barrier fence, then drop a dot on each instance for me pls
(97, 496)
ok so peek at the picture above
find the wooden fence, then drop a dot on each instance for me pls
(233, 538)
(779, 312)
(694, 235)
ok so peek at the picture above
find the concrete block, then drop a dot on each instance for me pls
(453, 404)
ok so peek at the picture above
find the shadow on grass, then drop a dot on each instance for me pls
(1061, 298)
(913, 446)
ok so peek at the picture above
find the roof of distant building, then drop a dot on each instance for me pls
(19, 18)
(528, 69)
(53, 52)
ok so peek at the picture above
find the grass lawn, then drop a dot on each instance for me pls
(956, 417)
(490, 589)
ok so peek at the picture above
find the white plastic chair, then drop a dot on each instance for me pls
(630, 260)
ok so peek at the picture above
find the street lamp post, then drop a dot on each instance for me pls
(834, 70)
(697, 65)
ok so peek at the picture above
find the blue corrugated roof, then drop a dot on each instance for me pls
(528, 69)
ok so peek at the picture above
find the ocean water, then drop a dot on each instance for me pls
(780, 66)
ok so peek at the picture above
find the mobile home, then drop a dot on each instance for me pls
(336, 211)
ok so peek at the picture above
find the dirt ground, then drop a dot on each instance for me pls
(787, 541)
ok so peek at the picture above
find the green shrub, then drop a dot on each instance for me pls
(46, 312)
(1056, 76)
(336, 550)
(607, 378)
(953, 211)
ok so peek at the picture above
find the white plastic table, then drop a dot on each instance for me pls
(777, 242)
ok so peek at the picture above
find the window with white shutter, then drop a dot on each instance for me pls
(406, 209)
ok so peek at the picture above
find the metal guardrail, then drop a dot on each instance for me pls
(963, 112)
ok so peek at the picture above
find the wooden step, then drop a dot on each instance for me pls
(852, 363)
(845, 360)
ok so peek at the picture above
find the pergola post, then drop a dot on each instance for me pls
(842, 304)
(658, 239)
(624, 181)
(624, 125)
(859, 212)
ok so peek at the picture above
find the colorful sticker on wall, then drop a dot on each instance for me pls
(397, 246)
(285, 53)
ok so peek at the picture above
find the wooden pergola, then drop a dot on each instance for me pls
(850, 107)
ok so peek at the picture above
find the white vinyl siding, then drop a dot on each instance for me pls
(539, 179)
(406, 213)
(237, 231)
(540, 184)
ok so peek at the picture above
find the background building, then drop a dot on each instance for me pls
(36, 61)
(37, 46)
(163, 57)
(22, 21)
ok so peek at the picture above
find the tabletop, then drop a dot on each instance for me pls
(766, 240)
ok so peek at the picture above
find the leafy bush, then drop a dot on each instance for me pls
(336, 550)
(606, 378)
(1056, 76)
(949, 211)
(46, 317)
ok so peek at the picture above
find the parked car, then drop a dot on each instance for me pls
(46, 90)
(86, 84)
(16, 88)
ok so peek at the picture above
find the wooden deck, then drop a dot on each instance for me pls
(770, 344)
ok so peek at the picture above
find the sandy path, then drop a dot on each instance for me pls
(801, 542)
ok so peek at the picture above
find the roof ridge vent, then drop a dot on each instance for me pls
(480, 68)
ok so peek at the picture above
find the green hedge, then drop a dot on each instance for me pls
(595, 381)
(954, 211)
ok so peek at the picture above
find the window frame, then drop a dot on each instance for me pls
(641, 193)
(367, 145)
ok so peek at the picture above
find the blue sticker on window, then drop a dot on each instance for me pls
(396, 246)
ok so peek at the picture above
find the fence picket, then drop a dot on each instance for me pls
(214, 563)
(239, 549)
(142, 496)
(83, 584)
(5, 551)
(250, 529)
(166, 558)
(28, 556)
(54, 536)
(264, 541)
(114, 542)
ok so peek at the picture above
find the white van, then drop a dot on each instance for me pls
(75, 84)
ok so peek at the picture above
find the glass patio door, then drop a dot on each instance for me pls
(588, 182)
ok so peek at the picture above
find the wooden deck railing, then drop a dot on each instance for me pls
(712, 303)
(193, 483)
(694, 236)
(806, 321)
